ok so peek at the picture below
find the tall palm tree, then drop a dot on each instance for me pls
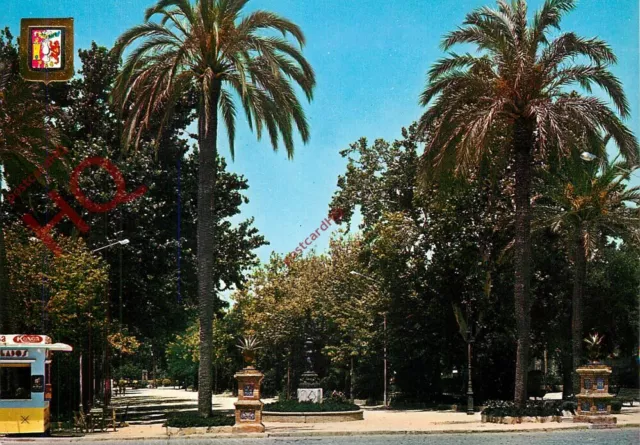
(587, 203)
(513, 93)
(210, 48)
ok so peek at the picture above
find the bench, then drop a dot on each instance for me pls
(628, 395)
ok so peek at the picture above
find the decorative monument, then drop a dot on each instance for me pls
(594, 400)
(309, 389)
(248, 406)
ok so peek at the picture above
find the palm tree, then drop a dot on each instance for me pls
(588, 204)
(512, 94)
(210, 49)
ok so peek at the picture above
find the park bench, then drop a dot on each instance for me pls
(628, 395)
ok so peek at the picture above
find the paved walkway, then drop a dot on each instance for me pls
(375, 421)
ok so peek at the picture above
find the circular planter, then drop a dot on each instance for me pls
(312, 417)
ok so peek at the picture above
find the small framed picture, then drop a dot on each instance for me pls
(37, 383)
(46, 50)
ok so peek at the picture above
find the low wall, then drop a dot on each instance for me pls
(307, 417)
(525, 419)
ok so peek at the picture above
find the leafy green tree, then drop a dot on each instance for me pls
(278, 305)
(514, 92)
(183, 352)
(153, 279)
(27, 133)
(208, 49)
(353, 306)
(63, 296)
(613, 286)
(588, 204)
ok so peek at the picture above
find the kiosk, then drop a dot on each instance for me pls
(25, 382)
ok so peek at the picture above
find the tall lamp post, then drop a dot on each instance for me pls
(107, 367)
(384, 396)
(470, 341)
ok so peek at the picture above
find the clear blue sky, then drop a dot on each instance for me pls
(370, 58)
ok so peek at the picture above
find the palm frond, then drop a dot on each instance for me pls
(228, 109)
(209, 46)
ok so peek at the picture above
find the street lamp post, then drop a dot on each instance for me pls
(122, 242)
(107, 370)
(385, 361)
(470, 383)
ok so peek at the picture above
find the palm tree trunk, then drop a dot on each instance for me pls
(523, 147)
(580, 273)
(208, 129)
(6, 313)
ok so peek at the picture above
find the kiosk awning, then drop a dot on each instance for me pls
(31, 341)
(53, 347)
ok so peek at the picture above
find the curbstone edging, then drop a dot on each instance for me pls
(190, 431)
(507, 420)
(312, 417)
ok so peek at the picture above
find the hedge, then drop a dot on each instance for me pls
(533, 408)
(193, 419)
(293, 406)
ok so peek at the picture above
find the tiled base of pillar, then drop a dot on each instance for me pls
(596, 420)
(252, 428)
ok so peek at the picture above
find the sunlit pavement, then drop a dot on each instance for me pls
(402, 424)
(626, 436)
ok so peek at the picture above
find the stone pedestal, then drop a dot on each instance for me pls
(594, 400)
(309, 389)
(248, 406)
(310, 395)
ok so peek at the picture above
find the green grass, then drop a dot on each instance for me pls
(293, 406)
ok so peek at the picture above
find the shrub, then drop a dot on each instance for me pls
(193, 419)
(293, 406)
(337, 397)
(166, 382)
(502, 408)
(616, 406)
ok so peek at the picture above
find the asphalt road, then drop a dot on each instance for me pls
(626, 436)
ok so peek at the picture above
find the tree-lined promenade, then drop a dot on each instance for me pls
(504, 214)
